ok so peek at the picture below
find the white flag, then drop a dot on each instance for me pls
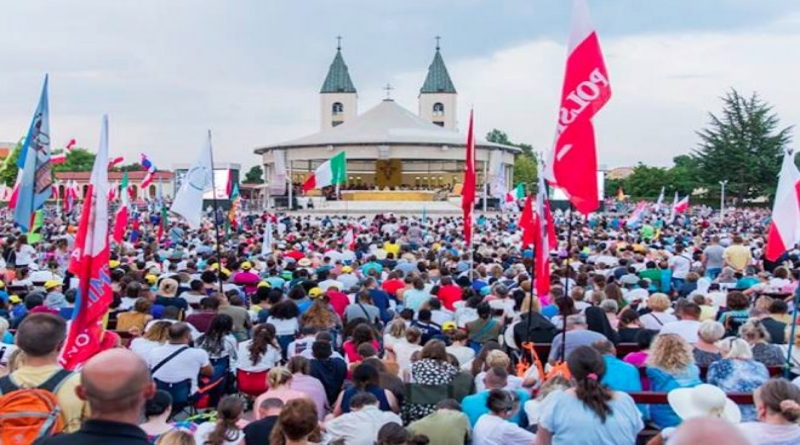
(266, 245)
(277, 182)
(198, 180)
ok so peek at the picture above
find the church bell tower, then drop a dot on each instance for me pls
(338, 97)
(437, 97)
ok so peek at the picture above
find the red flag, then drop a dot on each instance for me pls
(573, 161)
(682, 205)
(545, 240)
(527, 223)
(89, 263)
(468, 191)
(784, 229)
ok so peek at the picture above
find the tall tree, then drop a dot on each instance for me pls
(743, 145)
(9, 169)
(255, 175)
(525, 167)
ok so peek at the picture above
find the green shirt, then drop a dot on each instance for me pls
(443, 427)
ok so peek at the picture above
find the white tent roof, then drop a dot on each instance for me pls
(389, 124)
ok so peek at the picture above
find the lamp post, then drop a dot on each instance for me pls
(722, 199)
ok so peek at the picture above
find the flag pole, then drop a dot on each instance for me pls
(787, 370)
(566, 283)
(216, 213)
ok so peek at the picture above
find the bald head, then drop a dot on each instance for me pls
(708, 430)
(116, 383)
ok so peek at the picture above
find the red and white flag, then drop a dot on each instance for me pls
(60, 158)
(545, 241)
(681, 206)
(350, 239)
(572, 165)
(784, 229)
(89, 263)
(468, 191)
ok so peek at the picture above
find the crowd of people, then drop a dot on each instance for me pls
(400, 334)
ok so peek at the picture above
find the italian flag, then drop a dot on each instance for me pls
(331, 172)
(516, 193)
(121, 219)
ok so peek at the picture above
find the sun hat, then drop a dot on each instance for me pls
(51, 284)
(347, 269)
(15, 299)
(151, 278)
(304, 262)
(703, 401)
(263, 284)
(448, 325)
(315, 292)
(113, 264)
(246, 265)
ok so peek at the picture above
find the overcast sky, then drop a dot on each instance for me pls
(166, 70)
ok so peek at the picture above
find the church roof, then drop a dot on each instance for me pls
(338, 78)
(386, 124)
(438, 80)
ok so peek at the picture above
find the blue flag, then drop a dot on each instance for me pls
(36, 185)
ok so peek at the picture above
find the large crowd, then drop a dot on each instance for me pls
(389, 330)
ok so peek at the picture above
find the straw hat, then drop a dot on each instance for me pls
(168, 287)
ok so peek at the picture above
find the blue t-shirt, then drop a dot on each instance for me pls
(474, 407)
(661, 381)
(573, 423)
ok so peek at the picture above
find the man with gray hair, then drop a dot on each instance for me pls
(576, 335)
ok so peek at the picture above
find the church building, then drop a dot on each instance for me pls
(390, 150)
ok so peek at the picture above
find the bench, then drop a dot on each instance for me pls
(774, 371)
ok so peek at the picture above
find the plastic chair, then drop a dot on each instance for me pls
(252, 384)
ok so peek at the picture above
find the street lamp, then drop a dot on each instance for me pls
(722, 200)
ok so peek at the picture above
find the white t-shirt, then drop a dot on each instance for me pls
(25, 255)
(655, 321)
(204, 429)
(684, 328)
(493, 430)
(142, 346)
(680, 266)
(284, 327)
(761, 433)
(512, 384)
(268, 359)
(464, 354)
(184, 366)
(298, 346)
(5, 352)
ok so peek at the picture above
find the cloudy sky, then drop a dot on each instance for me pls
(166, 70)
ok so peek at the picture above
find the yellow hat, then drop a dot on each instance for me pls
(2, 284)
(448, 325)
(315, 292)
(15, 299)
(51, 284)
(246, 265)
(263, 284)
(347, 269)
(113, 264)
(150, 278)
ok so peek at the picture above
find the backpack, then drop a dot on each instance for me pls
(26, 414)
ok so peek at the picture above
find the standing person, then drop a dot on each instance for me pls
(680, 264)
(258, 431)
(778, 410)
(116, 384)
(713, 258)
(40, 337)
(737, 255)
(25, 254)
(590, 413)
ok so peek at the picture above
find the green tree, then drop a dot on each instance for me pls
(132, 167)
(78, 160)
(255, 175)
(525, 166)
(743, 145)
(9, 169)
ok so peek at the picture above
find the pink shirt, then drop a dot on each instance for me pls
(284, 394)
(313, 388)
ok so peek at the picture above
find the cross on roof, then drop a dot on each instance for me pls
(388, 88)
(438, 38)
(338, 43)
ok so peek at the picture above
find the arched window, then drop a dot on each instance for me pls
(152, 191)
(337, 108)
(438, 109)
(134, 191)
